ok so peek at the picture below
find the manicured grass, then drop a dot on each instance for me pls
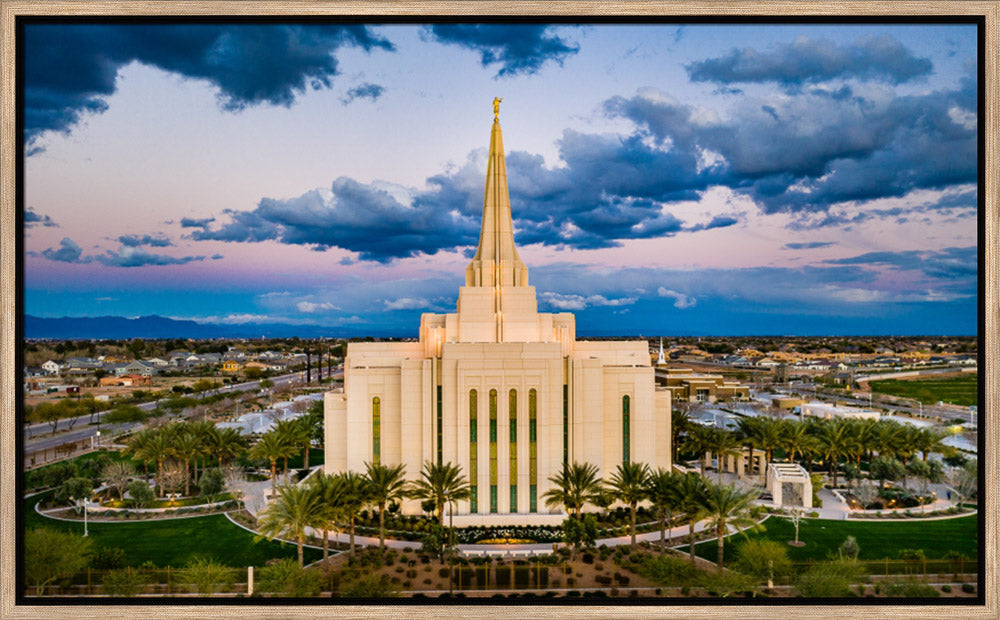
(175, 542)
(876, 539)
(961, 390)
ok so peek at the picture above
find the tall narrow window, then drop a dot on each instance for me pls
(493, 450)
(376, 430)
(513, 450)
(533, 450)
(626, 431)
(440, 433)
(473, 451)
(565, 423)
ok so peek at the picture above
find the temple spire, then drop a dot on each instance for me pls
(496, 262)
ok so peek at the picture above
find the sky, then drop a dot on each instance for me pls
(665, 179)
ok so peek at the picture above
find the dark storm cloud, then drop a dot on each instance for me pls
(808, 60)
(69, 69)
(825, 148)
(364, 91)
(34, 219)
(359, 217)
(516, 48)
(134, 241)
(811, 245)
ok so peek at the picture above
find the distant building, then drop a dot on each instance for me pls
(687, 386)
(51, 367)
(830, 411)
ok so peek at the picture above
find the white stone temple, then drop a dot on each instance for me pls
(505, 392)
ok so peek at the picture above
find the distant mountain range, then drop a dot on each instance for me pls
(153, 326)
(117, 327)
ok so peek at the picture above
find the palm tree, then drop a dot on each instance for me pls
(138, 448)
(385, 484)
(769, 439)
(891, 437)
(723, 444)
(292, 434)
(725, 505)
(680, 422)
(227, 444)
(929, 440)
(271, 447)
(689, 494)
(574, 486)
(629, 484)
(698, 441)
(661, 492)
(295, 509)
(834, 441)
(158, 448)
(202, 430)
(795, 438)
(355, 497)
(186, 447)
(749, 431)
(332, 491)
(442, 484)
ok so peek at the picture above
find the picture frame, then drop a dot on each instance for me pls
(10, 220)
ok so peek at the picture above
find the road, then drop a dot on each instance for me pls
(39, 437)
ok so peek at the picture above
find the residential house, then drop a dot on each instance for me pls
(51, 367)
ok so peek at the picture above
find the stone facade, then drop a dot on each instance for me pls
(498, 388)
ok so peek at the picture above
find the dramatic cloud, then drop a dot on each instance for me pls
(69, 69)
(719, 221)
(34, 219)
(363, 91)
(815, 149)
(807, 61)
(68, 252)
(516, 48)
(680, 299)
(134, 241)
(359, 217)
(811, 245)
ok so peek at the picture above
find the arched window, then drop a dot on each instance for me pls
(473, 451)
(493, 451)
(533, 450)
(376, 430)
(626, 431)
(513, 450)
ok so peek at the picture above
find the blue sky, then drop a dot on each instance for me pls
(665, 179)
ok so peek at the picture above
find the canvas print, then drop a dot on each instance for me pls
(508, 310)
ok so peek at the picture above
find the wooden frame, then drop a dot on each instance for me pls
(10, 9)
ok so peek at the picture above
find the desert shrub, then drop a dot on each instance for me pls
(285, 578)
(968, 588)
(124, 582)
(910, 588)
(369, 585)
(108, 558)
(763, 558)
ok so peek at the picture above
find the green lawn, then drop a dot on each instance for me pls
(961, 390)
(175, 542)
(876, 539)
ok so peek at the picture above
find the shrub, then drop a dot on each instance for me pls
(946, 588)
(108, 558)
(910, 588)
(124, 582)
(141, 494)
(588, 558)
(968, 588)
(370, 585)
(212, 481)
(763, 558)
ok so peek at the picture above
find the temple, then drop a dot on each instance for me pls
(505, 392)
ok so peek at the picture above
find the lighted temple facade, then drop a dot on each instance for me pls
(504, 391)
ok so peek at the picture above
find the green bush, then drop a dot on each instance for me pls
(124, 582)
(108, 558)
(141, 493)
(968, 588)
(763, 558)
(212, 481)
(910, 588)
